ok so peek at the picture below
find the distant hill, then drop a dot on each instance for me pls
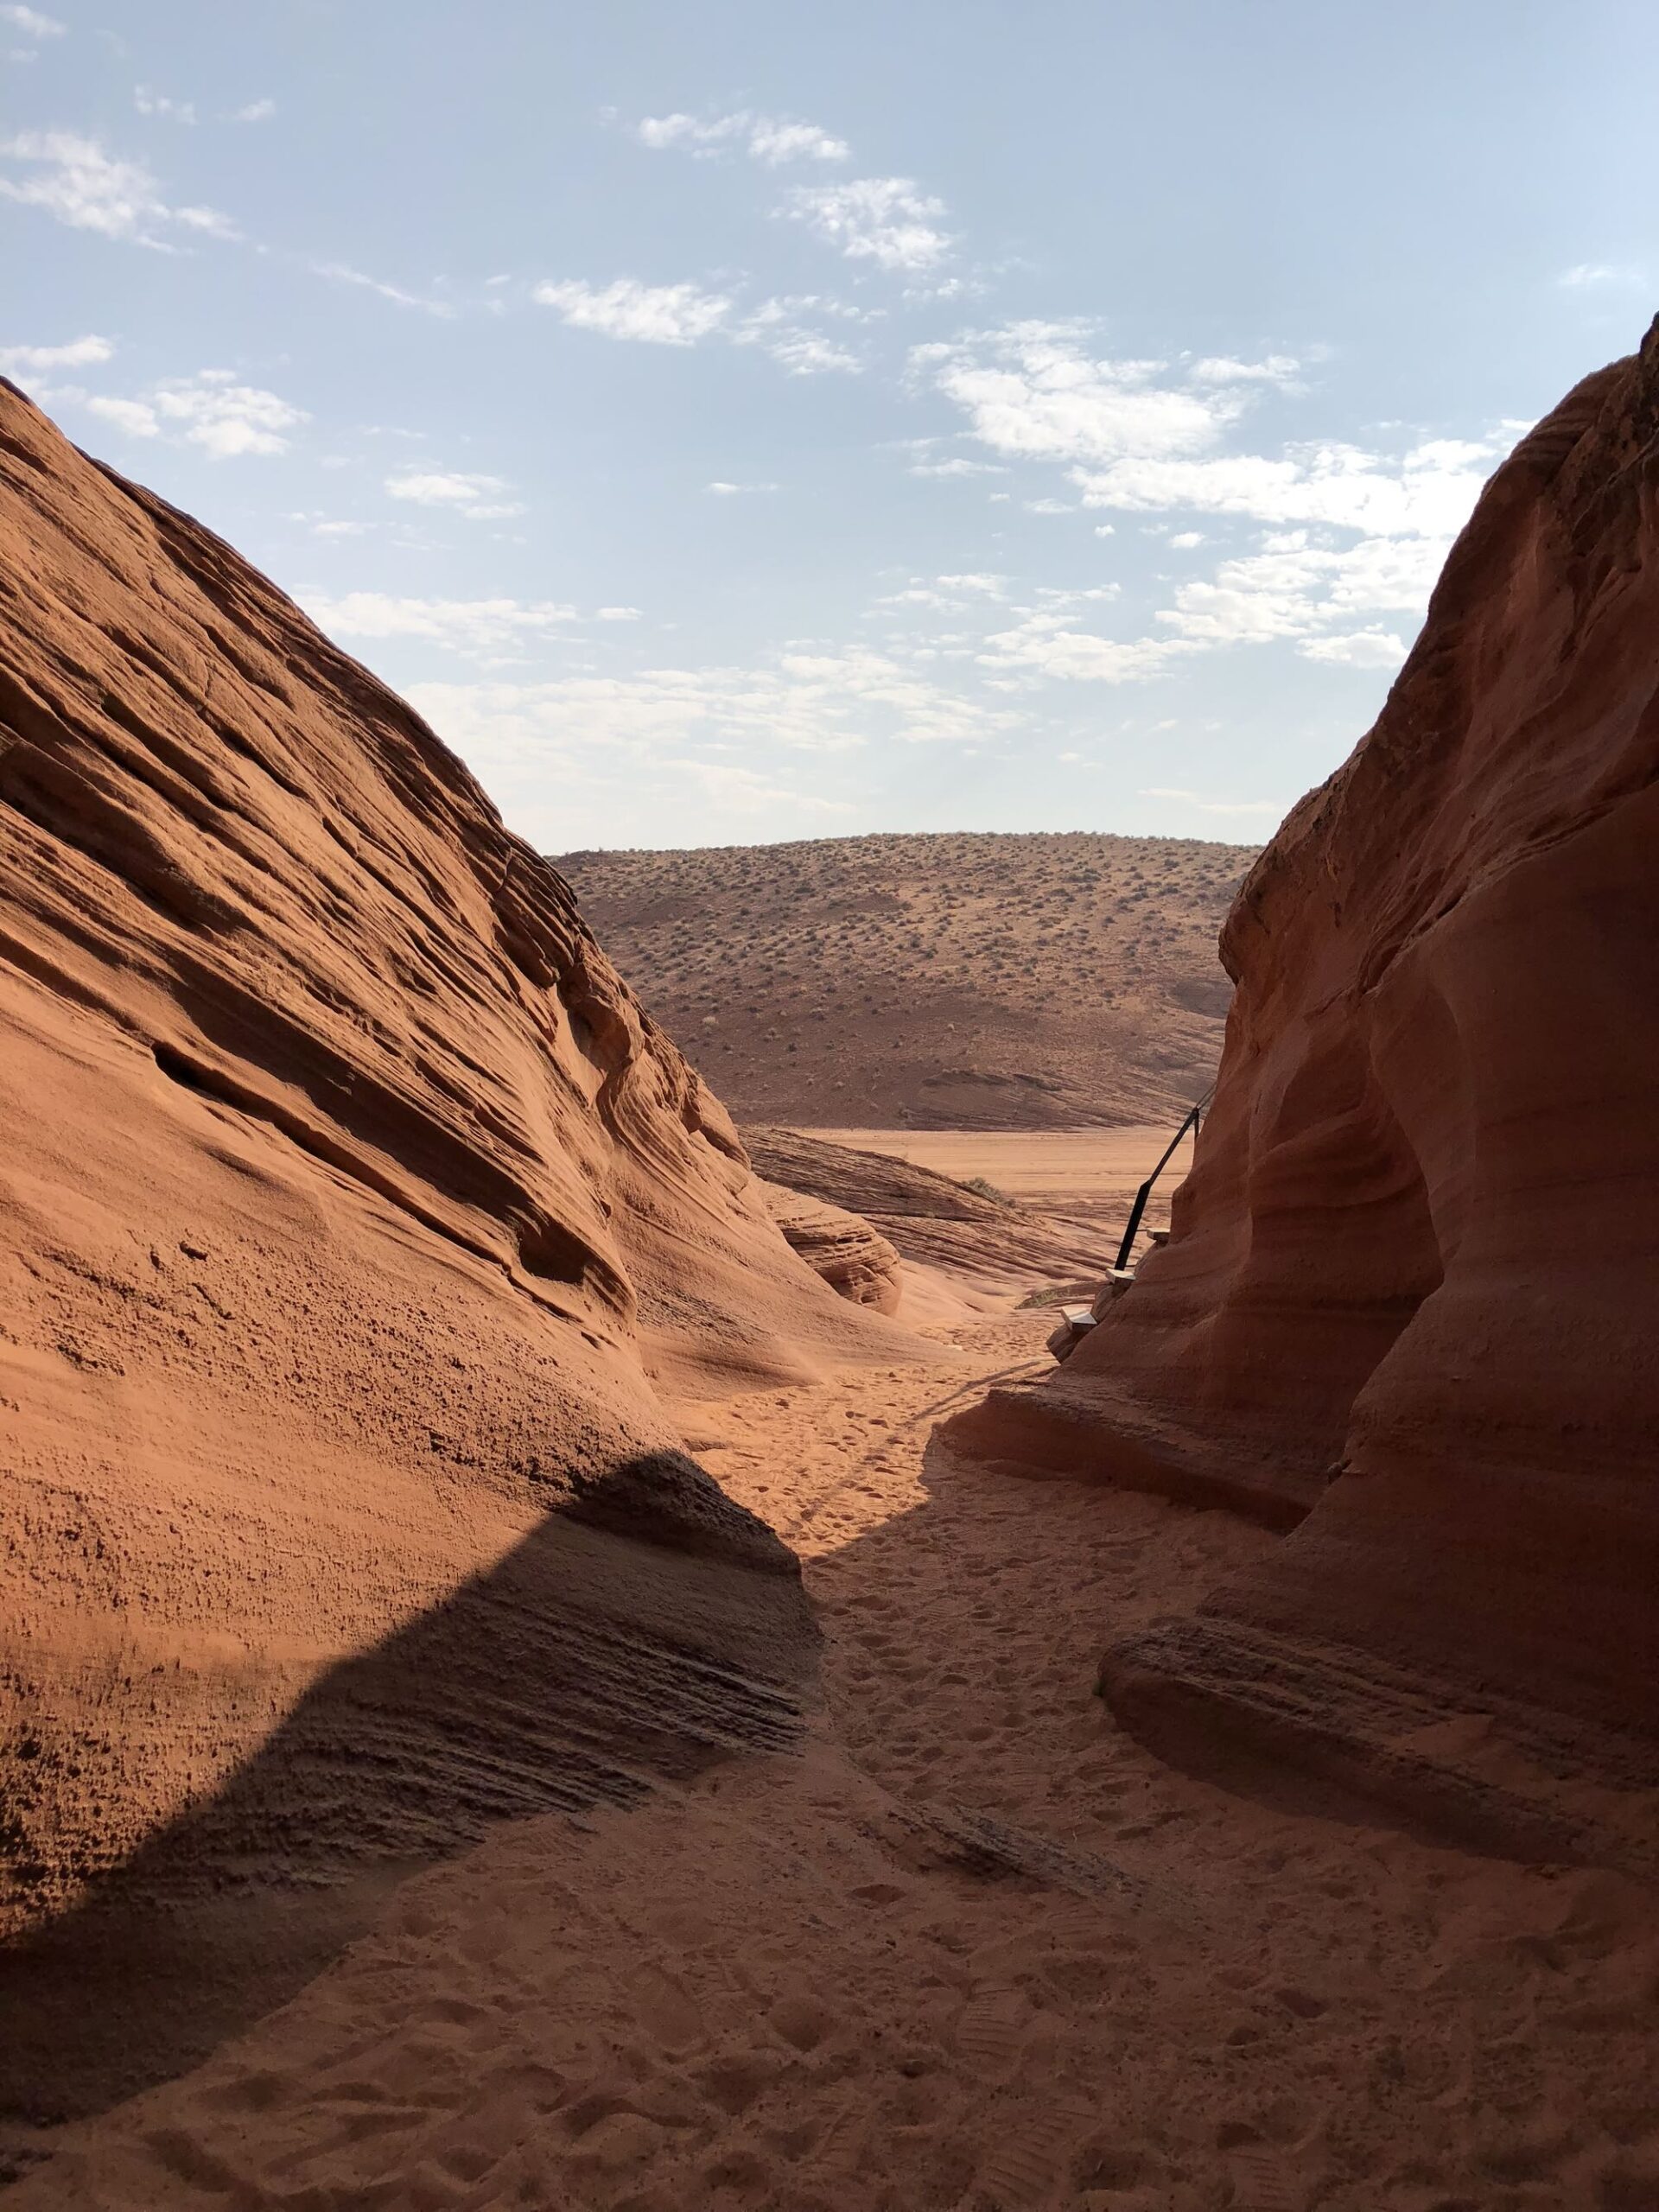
(961, 980)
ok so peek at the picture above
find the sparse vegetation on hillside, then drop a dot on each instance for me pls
(969, 980)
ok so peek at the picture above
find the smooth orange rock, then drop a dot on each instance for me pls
(349, 1207)
(1412, 1283)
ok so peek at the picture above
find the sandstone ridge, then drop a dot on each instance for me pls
(1409, 1302)
(353, 1209)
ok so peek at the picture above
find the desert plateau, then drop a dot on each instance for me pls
(737, 1470)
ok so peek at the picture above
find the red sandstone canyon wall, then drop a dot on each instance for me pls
(1410, 1305)
(350, 1208)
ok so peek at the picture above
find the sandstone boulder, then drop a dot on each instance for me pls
(856, 1260)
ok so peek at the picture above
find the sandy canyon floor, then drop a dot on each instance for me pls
(974, 1948)
(1088, 1174)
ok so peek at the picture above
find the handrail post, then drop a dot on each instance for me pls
(1139, 1208)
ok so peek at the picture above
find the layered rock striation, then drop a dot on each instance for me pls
(1410, 1302)
(350, 1210)
(926, 1217)
(854, 1258)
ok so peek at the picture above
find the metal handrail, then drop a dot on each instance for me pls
(1145, 1191)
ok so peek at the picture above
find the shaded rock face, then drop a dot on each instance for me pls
(349, 1206)
(1412, 1290)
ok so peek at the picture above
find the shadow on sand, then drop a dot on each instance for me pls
(638, 1634)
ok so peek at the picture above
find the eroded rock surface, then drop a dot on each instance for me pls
(349, 1207)
(1412, 1291)
(853, 1257)
(926, 1217)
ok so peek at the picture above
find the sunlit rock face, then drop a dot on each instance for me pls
(351, 1210)
(1410, 1305)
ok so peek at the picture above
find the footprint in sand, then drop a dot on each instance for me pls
(665, 2011)
(992, 2032)
(1263, 2181)
(1025, 2164)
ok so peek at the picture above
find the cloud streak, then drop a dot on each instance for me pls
(684, 314)
(651, 314)
(32, 24)
(479, 498)
(772, 140)
(888, 220)
(211, 411)
(77, 354)
(71, 179)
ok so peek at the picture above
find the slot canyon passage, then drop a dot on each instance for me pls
(513, 1692)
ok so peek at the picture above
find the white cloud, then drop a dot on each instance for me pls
(71, 179)
(479, 498)
(1309, 594)
(1349, 534)
(657, 314)
(1278, 368)
(771, 139)
(983, 582)
(149, 103)
(616, 614)
(1049, 507)
(957, 464)
(726, 491)
(803, 352)
(136, 416)
(886, 219)
(1590, 276)
(211, 410)
(1041, 648)
(748, 790)
(341, 272)
(681, 315)
(1427, 491)
(1360, 649)
(827, 701)
(208, 221)
(948, 594)
(1032, 391)
(477, 628)
(254, 111)
(78, 353)
(32, 24)
(1215, 805)
(225, 418)
(775, 142)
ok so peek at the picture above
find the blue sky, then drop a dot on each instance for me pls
(741, 421)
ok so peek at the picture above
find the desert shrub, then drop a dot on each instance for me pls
(983, 1187)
